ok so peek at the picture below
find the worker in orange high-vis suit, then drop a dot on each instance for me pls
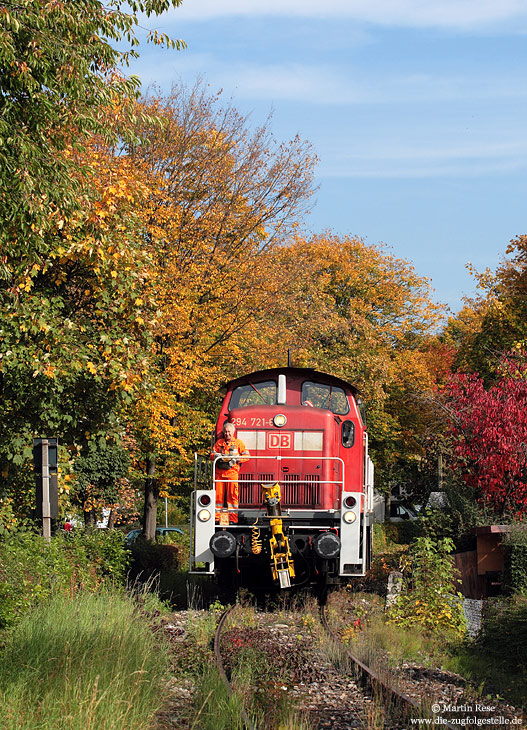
(227, 469)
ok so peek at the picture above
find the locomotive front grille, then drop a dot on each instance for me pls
(297, 490)
(292, 489)
(249, 491)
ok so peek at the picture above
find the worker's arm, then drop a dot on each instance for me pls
(243, 452)
(216, 450)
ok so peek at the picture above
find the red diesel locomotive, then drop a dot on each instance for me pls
(305, 487)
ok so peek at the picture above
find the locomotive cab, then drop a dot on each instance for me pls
(305, 489)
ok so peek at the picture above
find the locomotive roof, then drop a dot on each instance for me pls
(315, 375)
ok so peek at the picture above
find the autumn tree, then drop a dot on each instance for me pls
(101, 479)
(75, 334)
(490, 435)
(58, 73)
(495, 321)
(224, 196)
(357, 311)
(70, 263)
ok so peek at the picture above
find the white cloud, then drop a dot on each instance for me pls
(482, 157)
(293, 82)
(420, 13)
(325, 84)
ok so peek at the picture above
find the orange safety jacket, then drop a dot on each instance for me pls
(236, 447)
(227, 479)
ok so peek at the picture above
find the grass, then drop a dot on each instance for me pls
(216, 709)
(359, 619)
(170, 568)
(496, 662)
(92, 663)
(494, 666)
(399, 644)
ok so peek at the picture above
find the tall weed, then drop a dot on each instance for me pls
(92, 663)
(429, 598)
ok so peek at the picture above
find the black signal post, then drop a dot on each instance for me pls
(45, 465)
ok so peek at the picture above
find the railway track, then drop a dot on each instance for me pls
(399, 703)
(332, 698)
(248, 722)
(293, 659)
(417, 695)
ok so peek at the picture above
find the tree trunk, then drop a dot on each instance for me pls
(90, 518)
(151, 495)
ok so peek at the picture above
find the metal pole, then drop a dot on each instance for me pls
(166, 512)
(46, 507)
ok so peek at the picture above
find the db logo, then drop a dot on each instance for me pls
(282, 440)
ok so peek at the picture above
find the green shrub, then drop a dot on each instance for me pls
(158, 565)
(408, 531)
(399, 533)
(429, 597)
(106, 550)
(152, 557)
(437, 523)
(497, 660)
(385, 537)
(32, 569)
(503, 635)
(515, 569)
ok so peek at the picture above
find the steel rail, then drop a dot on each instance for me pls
(249, 724)
(398, 698)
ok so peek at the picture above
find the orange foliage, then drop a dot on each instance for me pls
(221, 199)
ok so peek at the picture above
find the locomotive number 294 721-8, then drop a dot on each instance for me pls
(253, 421)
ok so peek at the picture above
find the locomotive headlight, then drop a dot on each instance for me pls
(349, 517)
(279, 420)
(204, 515)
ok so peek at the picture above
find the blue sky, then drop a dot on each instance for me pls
(415, 108)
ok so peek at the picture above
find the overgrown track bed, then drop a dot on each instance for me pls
(286, 672)
(400, 705)
(249, 724)
(408, 690)
(291, 664)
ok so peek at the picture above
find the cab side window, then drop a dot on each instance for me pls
(348, 434)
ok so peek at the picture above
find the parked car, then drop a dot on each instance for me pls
(401, 513)
(160, 532)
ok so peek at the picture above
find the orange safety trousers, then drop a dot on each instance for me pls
(227, 486)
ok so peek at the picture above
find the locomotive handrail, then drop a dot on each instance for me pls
(271, 456)
(202, 463)
(280, 457)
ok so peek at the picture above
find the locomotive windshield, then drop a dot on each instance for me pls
(256, 394)
(329, 397)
